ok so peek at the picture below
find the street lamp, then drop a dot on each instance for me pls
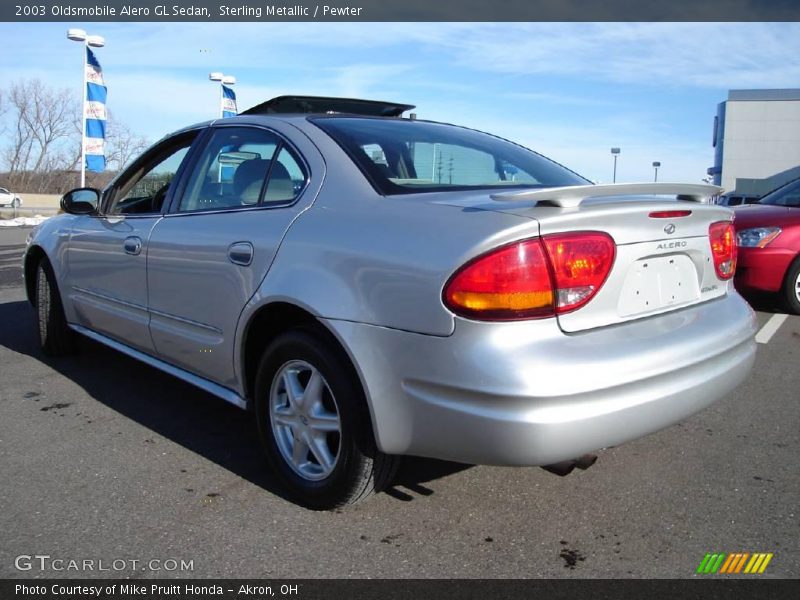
(615, 154)
(223, 80)
(95, 41)
(656, 164)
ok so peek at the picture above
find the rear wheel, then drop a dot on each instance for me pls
(15, 203)
(791, 288)
(314, 424)
(55, 337)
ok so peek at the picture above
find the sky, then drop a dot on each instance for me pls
(570, 91)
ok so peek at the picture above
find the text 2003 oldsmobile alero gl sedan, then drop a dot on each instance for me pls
(373, 286)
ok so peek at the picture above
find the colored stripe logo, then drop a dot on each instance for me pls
(734, 563)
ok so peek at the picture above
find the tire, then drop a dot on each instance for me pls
(324, 453)
(791, 288)
(15, 203)
(55, 337)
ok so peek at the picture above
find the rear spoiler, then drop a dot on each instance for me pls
(322, 105)
(571, 196)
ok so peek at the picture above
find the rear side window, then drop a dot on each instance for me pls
(401, 156)
(243, 167)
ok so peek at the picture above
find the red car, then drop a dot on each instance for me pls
(768, 236)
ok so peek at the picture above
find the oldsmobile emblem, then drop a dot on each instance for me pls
(669, 228)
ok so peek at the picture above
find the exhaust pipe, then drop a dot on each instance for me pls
(565, 467)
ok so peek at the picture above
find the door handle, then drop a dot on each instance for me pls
(241, 253)
(132, 245)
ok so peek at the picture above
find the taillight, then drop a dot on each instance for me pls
(581, 262)
(512, 282)
(722, 237)
(532, 278)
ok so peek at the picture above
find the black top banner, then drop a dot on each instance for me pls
(405, 10)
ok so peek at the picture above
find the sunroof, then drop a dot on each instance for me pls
(322, 105)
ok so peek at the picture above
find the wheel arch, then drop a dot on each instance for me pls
(277, 317)
(787, 276)
(33, 257)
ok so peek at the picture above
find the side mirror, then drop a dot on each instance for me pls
(81, 201)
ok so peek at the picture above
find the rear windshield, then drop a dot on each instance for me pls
(400, 156)
(788, 195)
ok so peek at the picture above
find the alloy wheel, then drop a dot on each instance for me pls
(305, 420)
(797, 287)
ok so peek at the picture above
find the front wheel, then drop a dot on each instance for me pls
(314, 423)
(791, 288)
(55, 336)
(16, 203)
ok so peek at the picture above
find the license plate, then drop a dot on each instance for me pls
(653, 284)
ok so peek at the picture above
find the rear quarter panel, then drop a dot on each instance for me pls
(357, 256)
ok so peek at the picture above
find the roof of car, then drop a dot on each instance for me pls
(305, 105)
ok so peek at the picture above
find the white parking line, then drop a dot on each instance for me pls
(769, 328)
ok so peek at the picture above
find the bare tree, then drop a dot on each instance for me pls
(3, 110)
(41, 121)
(44, 149)
(122, 144)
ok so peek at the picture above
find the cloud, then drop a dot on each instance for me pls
(657, 54)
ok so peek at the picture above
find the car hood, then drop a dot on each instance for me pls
(763, 215)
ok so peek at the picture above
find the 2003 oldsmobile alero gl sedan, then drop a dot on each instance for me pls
(373, 286)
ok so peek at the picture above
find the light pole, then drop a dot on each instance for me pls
(223, 80)
(95, 41)
(656, 164)
(615, 154)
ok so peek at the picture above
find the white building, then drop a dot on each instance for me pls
(756, 135)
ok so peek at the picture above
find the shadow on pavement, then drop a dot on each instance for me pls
(763, 302)
(180, 412)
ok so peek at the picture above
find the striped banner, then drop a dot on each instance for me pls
(228, 102)
(94, 110)
(734, 563)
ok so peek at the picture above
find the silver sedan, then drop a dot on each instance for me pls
(372, 286)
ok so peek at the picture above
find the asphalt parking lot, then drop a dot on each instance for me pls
(104, 458)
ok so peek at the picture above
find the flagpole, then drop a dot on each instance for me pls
(96, 41)
(83, 112)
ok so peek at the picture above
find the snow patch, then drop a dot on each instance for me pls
(23, 221)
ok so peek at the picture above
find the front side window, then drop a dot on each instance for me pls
(143, 189)
(401, 156)
(242, 167)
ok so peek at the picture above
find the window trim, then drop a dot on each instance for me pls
(283, 142)
(146, 158)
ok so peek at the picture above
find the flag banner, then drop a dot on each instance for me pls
(94, 112)
(95, 132)
(228, 102)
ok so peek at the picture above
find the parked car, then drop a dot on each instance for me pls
(376, 286)
(737, 199)
(9, 199)
(768, 236)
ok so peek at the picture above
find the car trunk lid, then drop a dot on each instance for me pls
(663, 254)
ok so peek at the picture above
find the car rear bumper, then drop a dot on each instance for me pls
(762, 269)
(525, 393)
